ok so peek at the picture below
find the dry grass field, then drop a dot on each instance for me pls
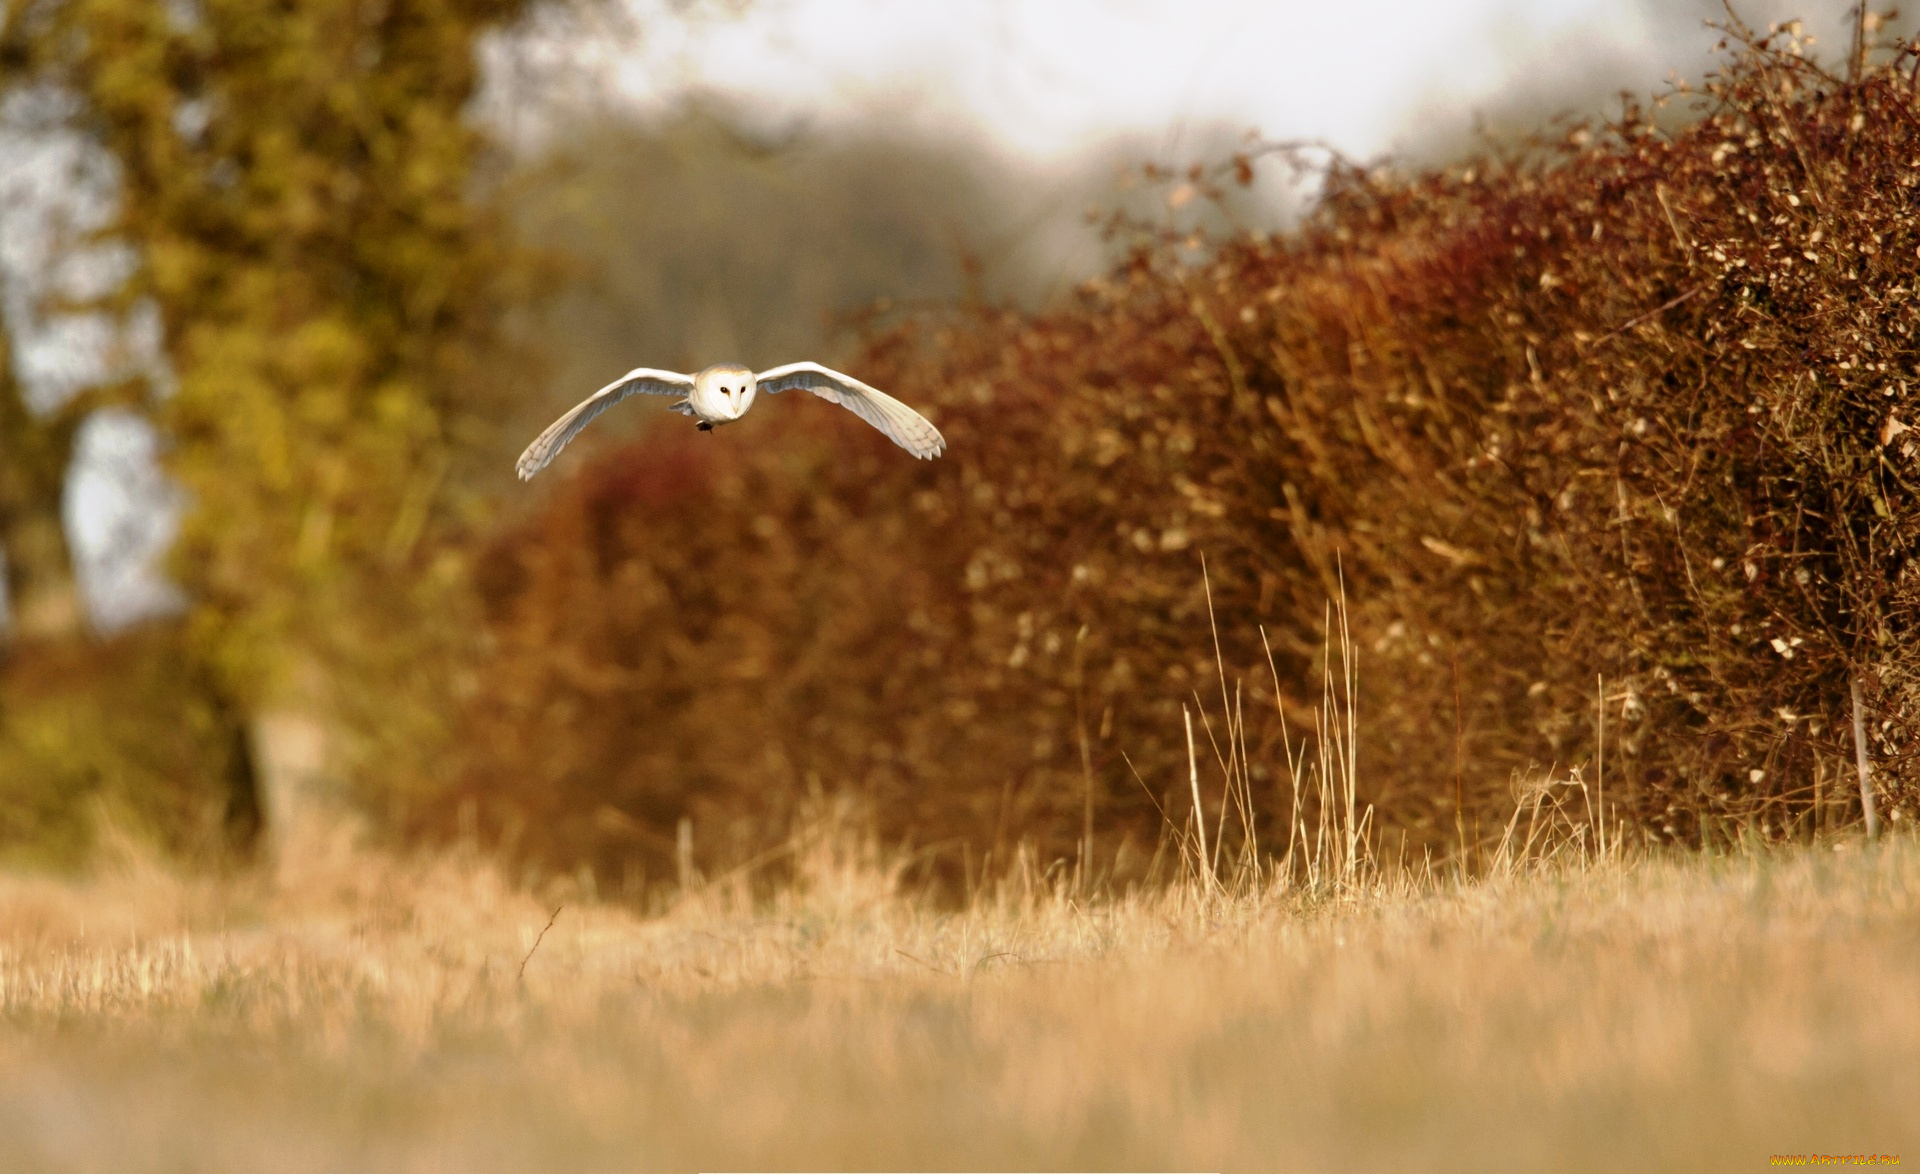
(369, 1013)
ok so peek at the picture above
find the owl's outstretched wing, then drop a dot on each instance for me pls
(639, 381)
(902, 425)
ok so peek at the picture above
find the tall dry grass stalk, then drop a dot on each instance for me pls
(1322, 779)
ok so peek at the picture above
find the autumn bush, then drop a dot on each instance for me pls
(1602, 438)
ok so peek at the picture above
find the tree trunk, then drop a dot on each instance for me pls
(42, 596)
(43, 601)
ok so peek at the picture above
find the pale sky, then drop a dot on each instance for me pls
(1053, 78)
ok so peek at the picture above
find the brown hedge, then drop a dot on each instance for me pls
(1627, 405)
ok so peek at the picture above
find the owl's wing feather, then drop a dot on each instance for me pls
(639, 381)
(900, 423)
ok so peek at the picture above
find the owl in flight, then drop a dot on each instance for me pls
(724, 392)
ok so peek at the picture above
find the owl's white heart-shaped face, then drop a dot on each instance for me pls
(725, 390)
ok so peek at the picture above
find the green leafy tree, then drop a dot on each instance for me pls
(300, 184)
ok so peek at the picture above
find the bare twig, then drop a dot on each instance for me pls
(1662, 308)
(1143, 786)
(541, 937)
(924, 962)
(1857, 57)
(1686, 246)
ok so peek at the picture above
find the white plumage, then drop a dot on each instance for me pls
(722, 394)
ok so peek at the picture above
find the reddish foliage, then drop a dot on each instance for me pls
(1626, 404)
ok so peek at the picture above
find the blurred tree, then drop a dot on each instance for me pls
(42, 600)
(299, 183)
(39, 589)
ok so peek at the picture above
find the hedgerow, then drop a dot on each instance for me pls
(1603, 435)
